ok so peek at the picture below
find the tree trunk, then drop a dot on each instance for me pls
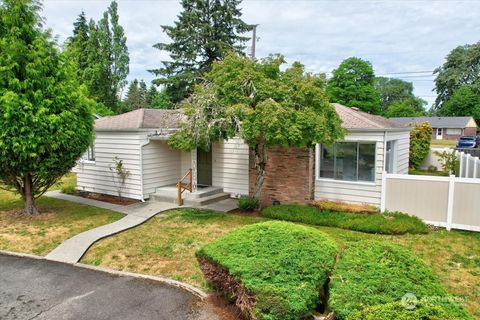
(261, 158)
(30, 207)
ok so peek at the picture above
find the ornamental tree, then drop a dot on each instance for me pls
(45, 118)
(263, 105)
(420, 139)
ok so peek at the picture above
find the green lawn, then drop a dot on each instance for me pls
(443, 143)
(166, 247)
(58, 221)
(438, 173)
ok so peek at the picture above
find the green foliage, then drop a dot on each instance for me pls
(100, 54)
(283, 264)
(352, 84)
(161, 100)
(136, 97)
(359, 282)
(204, 33)
(465, 101)
(119, 174)
(261, 103)
(397, 98)
(449, 161)
(404, 108)
(387, 223)
(461, 68)
(246, 203)
(397, 311)
(420, 139)
(46, 121)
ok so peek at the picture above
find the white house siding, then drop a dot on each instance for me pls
(230, 166)
(97, 177)
(161, 166)
(402, 149)
(186, 162)
(354, 192)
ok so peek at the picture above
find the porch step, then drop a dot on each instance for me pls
(201, 192)
(191, 201)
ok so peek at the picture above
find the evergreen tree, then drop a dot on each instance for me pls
(204, 32)
(136, 97)
(46, 121)
(78, 43)
(352, 84)
(151, 94)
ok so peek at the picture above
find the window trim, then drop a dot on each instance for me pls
(90, 154)
(318, 149)
(394, 158)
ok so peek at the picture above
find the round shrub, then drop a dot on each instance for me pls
(373, 273)
(246, 203)
(274, 270)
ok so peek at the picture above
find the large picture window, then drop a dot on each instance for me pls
(348, 161)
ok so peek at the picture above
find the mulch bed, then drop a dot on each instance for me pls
(256, 213)
(106, 198)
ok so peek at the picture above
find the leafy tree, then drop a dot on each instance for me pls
(420, 138)
(465, 101)
(46, 122)
(352, 84)
(161, 100)
(393, 90)
(462, 67)
(404, 108)
(204, 32)
(267, 107)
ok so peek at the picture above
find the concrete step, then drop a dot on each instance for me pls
(191, 202)
(171, 191)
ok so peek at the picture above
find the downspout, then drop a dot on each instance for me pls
(143, 144)
(384, 150)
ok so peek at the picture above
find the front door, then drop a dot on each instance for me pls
(204, 168)
(439, 133)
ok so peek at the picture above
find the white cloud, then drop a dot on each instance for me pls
(395, 36)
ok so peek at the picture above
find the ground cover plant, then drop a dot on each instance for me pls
(359, 282)
(275, 270)
(387, 223)
(326, 205)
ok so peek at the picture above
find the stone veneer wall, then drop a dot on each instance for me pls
(290, 176)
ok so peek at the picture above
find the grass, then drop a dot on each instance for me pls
(284, 265)
(167, 246)
(359, 281)
(59, 221)
(388, 223)
(326, 205)
(438, 173)
(443, 143)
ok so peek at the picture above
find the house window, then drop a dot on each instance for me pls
(390, 155)
(91, 153)
(347, 161)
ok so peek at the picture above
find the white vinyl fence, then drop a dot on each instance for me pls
(469, 165)
(450, 202)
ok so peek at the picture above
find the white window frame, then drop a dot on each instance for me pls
(89, 156)
(318, 149)
(393, 156)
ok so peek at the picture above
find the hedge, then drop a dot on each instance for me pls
(273, 270)
(398, 311)
(382, 223)
(372, 273)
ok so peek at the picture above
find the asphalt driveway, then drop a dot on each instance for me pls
(40, 289)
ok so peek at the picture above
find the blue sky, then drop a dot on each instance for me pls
(397, 37)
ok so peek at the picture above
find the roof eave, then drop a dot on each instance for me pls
(378, 129)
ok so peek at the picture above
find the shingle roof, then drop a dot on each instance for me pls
(352, 118)
(141, 119)
(436, 122)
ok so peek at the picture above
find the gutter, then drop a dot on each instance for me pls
(143, 144)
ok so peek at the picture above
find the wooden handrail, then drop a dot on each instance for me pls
(181, 187)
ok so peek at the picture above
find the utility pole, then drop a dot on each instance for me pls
(254, 40)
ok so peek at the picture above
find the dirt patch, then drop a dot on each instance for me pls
(256, 213)
(229, 287)
(106, 198)
(16, 214)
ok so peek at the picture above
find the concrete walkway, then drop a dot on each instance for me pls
(72, 250)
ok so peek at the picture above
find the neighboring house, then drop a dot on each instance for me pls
(448, 128)
(348, 171)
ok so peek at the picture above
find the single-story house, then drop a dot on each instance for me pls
(448, 128)
(349, 171)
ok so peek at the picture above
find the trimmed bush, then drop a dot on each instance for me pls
(382, 223)
(272, 270)
(373, 273)
(246, 203)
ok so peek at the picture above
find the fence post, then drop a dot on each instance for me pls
(460, 156)
(475, 167)
(451, 192)
(467, 165)
(383, 192)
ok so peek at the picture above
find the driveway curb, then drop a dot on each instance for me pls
(184, 286)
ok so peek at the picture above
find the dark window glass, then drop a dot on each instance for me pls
(327, 162)
(366, 162)
(346, 161)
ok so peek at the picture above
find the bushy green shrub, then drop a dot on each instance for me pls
(420, 138)
(326, 205)
(282, 264)
(68, 189)
(373, 273)
(387, 223)
(246, 203)
(397, 311)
